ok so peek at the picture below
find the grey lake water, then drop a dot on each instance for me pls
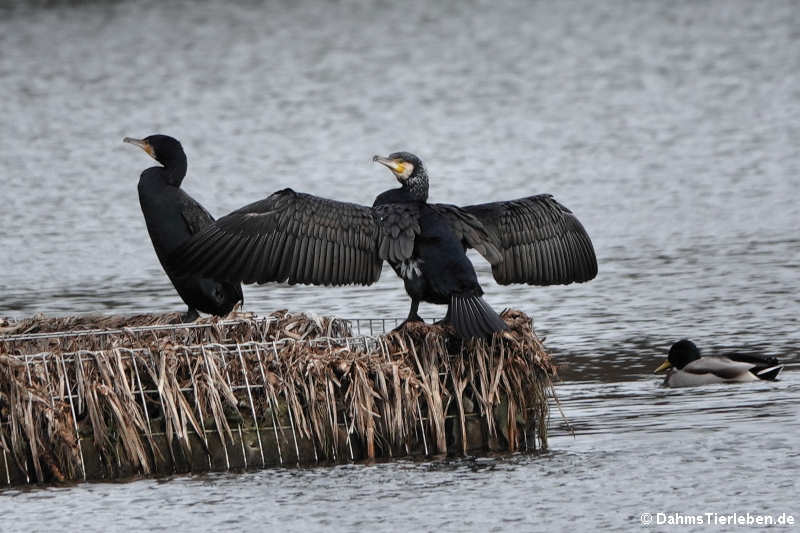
(671, 129)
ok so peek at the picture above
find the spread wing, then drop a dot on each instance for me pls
(288, 236)
(194, 215)
(541, 241)
(470, 231)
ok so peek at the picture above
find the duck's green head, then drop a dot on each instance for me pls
(680, 354)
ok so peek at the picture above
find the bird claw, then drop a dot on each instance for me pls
(189, 316)
(413, 318)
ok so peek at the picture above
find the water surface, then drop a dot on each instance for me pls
(670, 129)
(637, 448)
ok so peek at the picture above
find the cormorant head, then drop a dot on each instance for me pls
(167, 151)
(680, 354)
(408, 170)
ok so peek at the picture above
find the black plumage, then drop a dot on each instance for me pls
(172, 217)
(301, 238)
(541, 241)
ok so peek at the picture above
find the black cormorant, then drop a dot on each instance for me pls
(172, 216)
(690, 369)
(301, 238)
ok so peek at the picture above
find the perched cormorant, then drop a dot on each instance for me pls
(172, 216)
(301, 238)
(689, 368)
(437, 269)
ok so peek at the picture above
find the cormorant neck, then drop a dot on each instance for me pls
(417, 186)
(175, 168)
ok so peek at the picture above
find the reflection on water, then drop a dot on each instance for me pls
(670, 129)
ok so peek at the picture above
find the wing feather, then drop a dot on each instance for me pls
(326, 262)
(470, 231)
(288, 236)
(399, 223)
(540, 240)
(260, 260)
(313, 265)
(196, 217)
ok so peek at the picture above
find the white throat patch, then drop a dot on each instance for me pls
(408, 169)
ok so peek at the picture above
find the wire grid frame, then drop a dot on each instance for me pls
(366, 338)
(261, 351)
(360, 326)
(258, 350)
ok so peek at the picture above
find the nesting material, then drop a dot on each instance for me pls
(100, 332)
(144, 399)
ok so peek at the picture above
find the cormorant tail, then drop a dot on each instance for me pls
(472, 317)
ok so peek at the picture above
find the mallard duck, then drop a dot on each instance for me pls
(689, 368)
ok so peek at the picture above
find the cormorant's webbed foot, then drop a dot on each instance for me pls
(190, 316)
(412, 317)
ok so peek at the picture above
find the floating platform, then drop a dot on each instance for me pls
(90, 398)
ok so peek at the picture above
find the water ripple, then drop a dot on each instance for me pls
(670, 129)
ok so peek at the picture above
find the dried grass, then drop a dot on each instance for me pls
(419, 390)
(101, 332)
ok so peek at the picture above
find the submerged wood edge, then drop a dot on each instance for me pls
(287, 389)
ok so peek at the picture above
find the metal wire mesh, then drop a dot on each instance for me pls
(269, 434)
(70, 364)
(359, 327)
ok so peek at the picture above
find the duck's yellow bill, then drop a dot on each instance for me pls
(665, 365)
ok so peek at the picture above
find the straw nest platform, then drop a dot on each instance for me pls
(109, 397)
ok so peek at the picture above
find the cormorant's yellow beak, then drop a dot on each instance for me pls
(665, 365)
(395, 165)
(141, 143)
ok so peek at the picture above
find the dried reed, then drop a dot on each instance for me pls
(252, 392)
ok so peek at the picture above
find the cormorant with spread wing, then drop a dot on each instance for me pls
(301, 238)
(172, 217)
